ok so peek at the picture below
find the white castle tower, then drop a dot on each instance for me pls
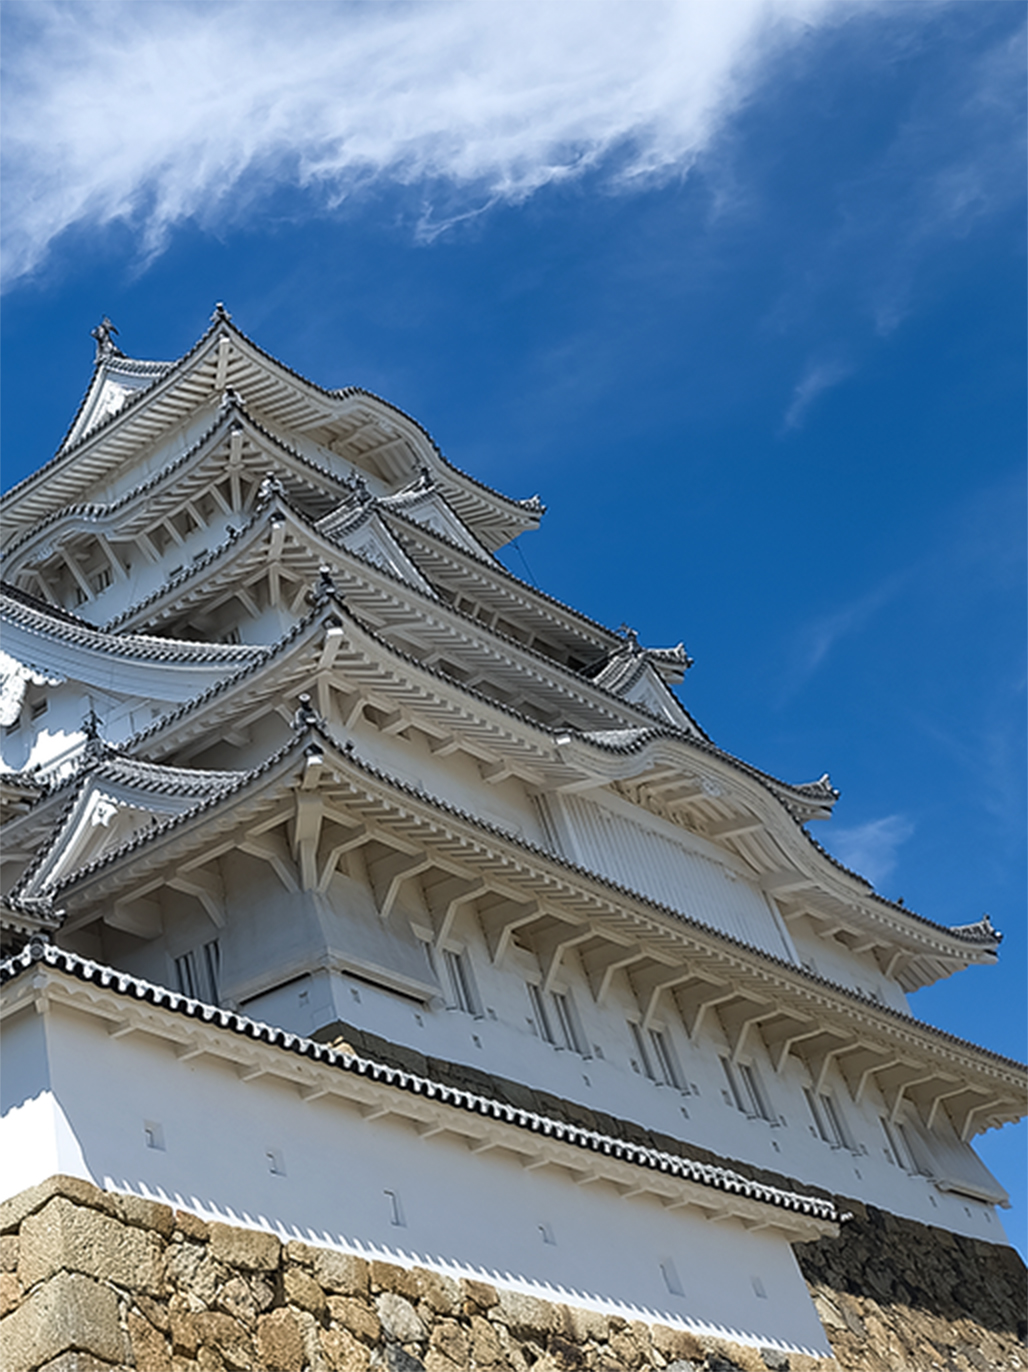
(353, 886)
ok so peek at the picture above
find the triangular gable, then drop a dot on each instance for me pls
(429, 509)
(649, 690)
(362, 533)
(114, 381)
(117, 802)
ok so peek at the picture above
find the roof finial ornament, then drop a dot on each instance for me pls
(105, 345)
(425, 477)
(220, 315)
(91, 728)
(269, 489)
(324, 588)
(630, 636)
(306, 716)
(360, 489)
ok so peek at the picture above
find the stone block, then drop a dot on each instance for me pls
(355, 1315)
(149, 1346)
(480, 1293)
(8, 1252)
(64, 1236)
(252, 1249)
(486, 1345)
(388, 1276)
(676, 1345)
(280, 1342)
(192, 1226)
(10, 1292)
(302, 1253)
(450, 1341)
(342, 1352)
(440, 1292)
(222, 1334)
(525, 1314)
(399, 1318)
(71, 1312)
(344, 1273)
(625, 1350)
(148, 1214)
(301, 1289)
(17, 1208)
(583, 1325)
(236, 1299)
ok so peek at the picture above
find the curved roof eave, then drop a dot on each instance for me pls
(312, 734)
(964, 940)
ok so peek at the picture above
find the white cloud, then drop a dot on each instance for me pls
(818, 377)
(154, 113)
(816, 639)
(871, 848)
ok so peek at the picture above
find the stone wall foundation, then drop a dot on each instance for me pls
(91, 1281)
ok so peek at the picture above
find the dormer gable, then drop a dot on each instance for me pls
(424, 503)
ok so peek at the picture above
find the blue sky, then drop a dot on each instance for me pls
(737, 288)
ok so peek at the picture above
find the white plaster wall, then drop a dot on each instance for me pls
(504, 1043)
(829, 959)
(221, 1136)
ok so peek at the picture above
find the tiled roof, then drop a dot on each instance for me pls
(676, 1165)
(40, 619)
(308, 739)
(621, 742)
(221, 324)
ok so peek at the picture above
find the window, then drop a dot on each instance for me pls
(197, 972)
(746, 1091)
(100, 580)
(905, 1149)
(657, 1057)
(557, 1019)
(567, 1020)
(39, 708)
(828, 1121)
(664, 1055)
(462, 982)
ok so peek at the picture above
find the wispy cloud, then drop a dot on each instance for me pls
(155, 113)
(816, 639)
(817, 378)
(872, 848)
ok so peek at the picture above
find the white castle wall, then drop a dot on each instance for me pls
(126, 1113)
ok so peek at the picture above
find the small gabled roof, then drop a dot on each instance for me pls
(644, 675)
(110, 800)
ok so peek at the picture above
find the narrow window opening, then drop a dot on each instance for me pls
(672, 1280)
(641, 1049)
(568, 1022)
(198, 973)
(462, 982)
(667, 1063)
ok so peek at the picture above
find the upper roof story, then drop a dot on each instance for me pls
(133, 410)
(217, 535)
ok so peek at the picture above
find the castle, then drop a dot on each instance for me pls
(355, 890)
